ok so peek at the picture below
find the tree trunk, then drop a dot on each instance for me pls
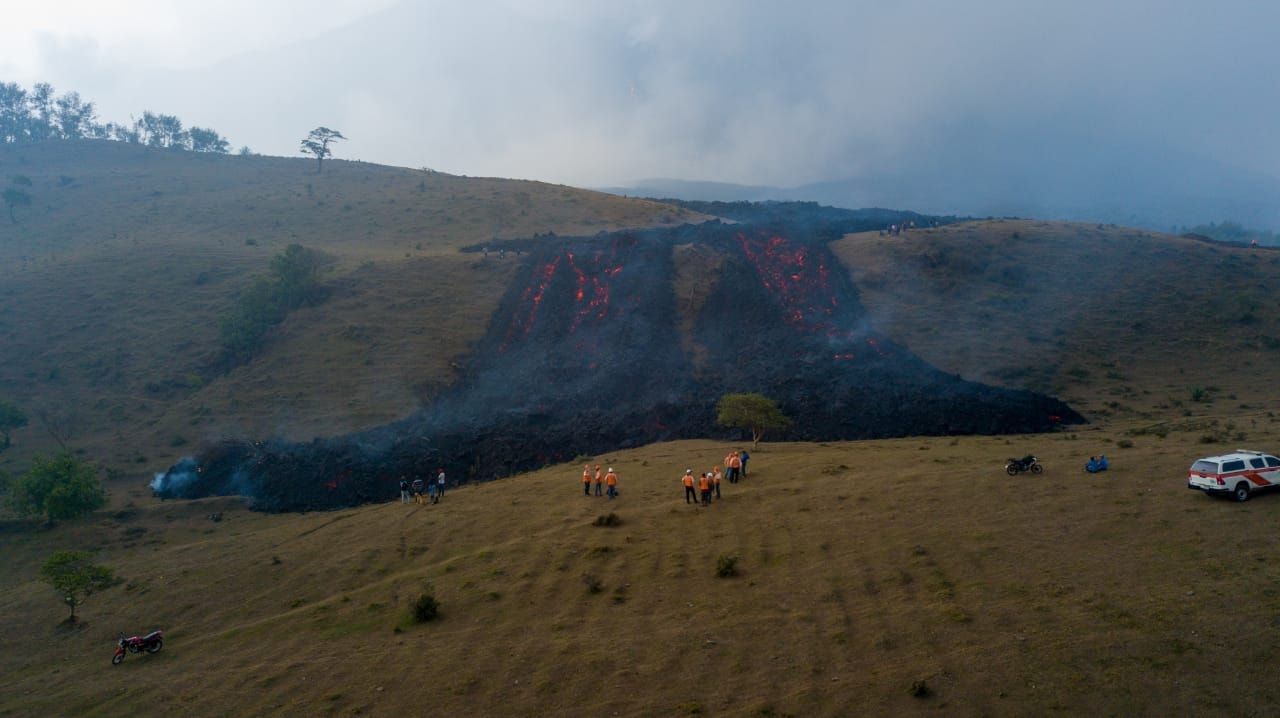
(319, 164)
(755, 438)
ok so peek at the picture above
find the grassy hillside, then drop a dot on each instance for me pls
(865, 567)
(112, 283)
(1123, 324)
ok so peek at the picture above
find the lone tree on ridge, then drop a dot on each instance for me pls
(754, 412)
(317, 143)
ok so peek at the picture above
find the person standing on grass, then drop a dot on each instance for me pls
(440, 484)
(599, 481)
(715, 481)
(586, 480)
(743, 456)
(433, 494)
(612, 480)
(729, 473)
(704, 485)
(404, 490)
(418, 487)
(690, 497)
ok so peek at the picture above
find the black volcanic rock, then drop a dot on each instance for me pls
(584, 355)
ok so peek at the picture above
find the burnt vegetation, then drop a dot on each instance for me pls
(584, 355)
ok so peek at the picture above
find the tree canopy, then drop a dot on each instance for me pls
(292, 282)
(754, 412)
(75, 577)
(38, 115)
(11, 417)
(317, 143)
(63, 487)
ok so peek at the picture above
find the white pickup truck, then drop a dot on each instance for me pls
(1237, 474)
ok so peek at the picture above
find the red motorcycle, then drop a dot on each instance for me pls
(151, 643)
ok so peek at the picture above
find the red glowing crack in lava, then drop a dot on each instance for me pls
(591, 276)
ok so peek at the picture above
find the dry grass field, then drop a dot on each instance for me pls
(864, 568)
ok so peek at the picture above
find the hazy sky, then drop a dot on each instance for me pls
(596, 93)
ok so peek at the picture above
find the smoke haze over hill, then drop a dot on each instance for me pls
(1157, 112)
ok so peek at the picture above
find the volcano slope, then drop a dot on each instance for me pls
(585, 355)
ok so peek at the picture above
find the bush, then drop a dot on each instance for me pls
(293, 282)
(594, 584)
(919, 689)
(63, 487)
(610, 520)
(726, 566)
(426, 608)
(1124, 444)
(75, 577)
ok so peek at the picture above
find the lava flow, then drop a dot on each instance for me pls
(584, 356)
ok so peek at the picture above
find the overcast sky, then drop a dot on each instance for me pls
(604, 93)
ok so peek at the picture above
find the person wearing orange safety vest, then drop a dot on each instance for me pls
(715, 480)
(689, 496)
(704, 485)
(599, 481)
(611, 479)
(586, 480)
(734, 464)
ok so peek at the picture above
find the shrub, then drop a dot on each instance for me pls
(919, 688)
(726, 566)
(426, 608)
(292, 282)
(1199, 393)
(1124, 444)
(63, 487)
(610, 520)
(594, 584)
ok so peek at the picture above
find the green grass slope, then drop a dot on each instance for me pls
(864, 568)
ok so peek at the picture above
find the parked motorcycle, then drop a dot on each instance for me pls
(1027, 463)
(150, 643)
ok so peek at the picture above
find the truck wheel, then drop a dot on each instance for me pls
(1242, 492)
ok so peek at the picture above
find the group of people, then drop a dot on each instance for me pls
(708, 482)
(1096, 464)
(421, 491)
(602, 480)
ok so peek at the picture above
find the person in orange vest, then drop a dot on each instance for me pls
(586, 480)
(704, 485)
(599, 480)
(689, 496)
(728, 468)
(611, 479)
(715, 480)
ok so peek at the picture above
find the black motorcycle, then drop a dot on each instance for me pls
(1027, 463)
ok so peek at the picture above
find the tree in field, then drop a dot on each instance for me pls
(317, 143)
(753, 412)
(206, 140)
(75, 118)
(63, 487)
(14, 197)
(75, 577)
(11, 417)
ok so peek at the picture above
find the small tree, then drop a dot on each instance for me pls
(63, 487)
(75, 577)
(14, 197)
(11, 417)
(317, 143)
(750, 411)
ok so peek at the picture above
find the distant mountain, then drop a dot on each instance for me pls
(1078, 179)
